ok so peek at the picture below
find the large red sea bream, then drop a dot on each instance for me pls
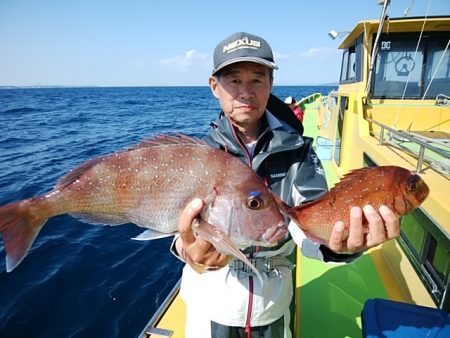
(149, 185)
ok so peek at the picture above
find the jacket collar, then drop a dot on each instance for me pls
(281, 135)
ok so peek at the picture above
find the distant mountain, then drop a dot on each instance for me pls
(329, 84)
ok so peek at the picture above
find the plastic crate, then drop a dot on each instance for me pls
(383, 318)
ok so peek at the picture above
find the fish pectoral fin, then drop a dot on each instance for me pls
(221, 242)
(150, 234)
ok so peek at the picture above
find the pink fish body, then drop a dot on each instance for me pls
(149, 185)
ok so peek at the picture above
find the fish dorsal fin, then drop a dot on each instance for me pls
(350, 177)
(341, 185)
(76, 172)
(173, 139)
(155, 141)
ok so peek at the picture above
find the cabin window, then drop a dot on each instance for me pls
(352, 62)
(343, 106)
(440, 261)
(428, 250)
(348, 69)
(359, 68)
(404, 70)
(414, 233)
(437, 68)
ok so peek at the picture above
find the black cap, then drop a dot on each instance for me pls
(241, 47)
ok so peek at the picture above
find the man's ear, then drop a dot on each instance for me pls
(213, 85)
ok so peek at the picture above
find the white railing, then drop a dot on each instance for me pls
(423, 145)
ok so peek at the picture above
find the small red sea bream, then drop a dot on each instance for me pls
(397, 188)
(149, 185)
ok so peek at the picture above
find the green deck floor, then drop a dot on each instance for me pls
(332, 296)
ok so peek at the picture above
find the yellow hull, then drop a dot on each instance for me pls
(333, 291)
(403, 119)
(373, 121)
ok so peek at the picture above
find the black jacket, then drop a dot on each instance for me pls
(282, 156)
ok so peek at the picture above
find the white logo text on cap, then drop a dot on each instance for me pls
(241, 43)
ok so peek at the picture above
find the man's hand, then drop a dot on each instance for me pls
(383, 225)
(199, 254)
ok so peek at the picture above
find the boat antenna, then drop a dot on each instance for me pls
(406, 11)
(409, 75)
(375, 45)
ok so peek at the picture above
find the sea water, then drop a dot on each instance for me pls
(81, 280)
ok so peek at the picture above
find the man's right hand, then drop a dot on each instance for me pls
(199, 254)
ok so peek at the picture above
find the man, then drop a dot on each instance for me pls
(226, 300)
(298, 110)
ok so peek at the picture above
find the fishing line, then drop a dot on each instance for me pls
(406, 11)
(409, 74)
(429, 84)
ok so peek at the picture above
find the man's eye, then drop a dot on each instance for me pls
(258, 81)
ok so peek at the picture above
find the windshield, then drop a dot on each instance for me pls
(400, 71)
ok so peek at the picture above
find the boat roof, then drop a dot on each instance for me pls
(404, 24)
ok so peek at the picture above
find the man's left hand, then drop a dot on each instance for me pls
(383, 225)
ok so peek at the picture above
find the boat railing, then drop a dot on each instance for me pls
(442, 166)
(151, 329)
(442, 100)
(308, 99)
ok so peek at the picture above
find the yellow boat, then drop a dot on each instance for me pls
(392, 108)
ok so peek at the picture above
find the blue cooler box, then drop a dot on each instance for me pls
(383, 318)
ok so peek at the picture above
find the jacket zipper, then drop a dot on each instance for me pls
(248, 326)
(244, 148)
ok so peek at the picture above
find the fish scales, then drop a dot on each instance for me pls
(149, 185)
(120, 194)
(397, 188)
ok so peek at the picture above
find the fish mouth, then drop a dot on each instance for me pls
(274, 234)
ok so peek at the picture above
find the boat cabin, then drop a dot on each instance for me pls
(393, 108)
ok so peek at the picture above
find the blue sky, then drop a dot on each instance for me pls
(158, 43)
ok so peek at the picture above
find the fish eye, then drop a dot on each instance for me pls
(413, 183)
(254, 203)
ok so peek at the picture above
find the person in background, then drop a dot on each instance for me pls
(298, 111)
(223, 298)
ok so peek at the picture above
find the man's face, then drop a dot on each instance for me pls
(243, 90)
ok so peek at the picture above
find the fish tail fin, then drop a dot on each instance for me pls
(292, 213)
(286, 210)
(295, 214)
(19, 226)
